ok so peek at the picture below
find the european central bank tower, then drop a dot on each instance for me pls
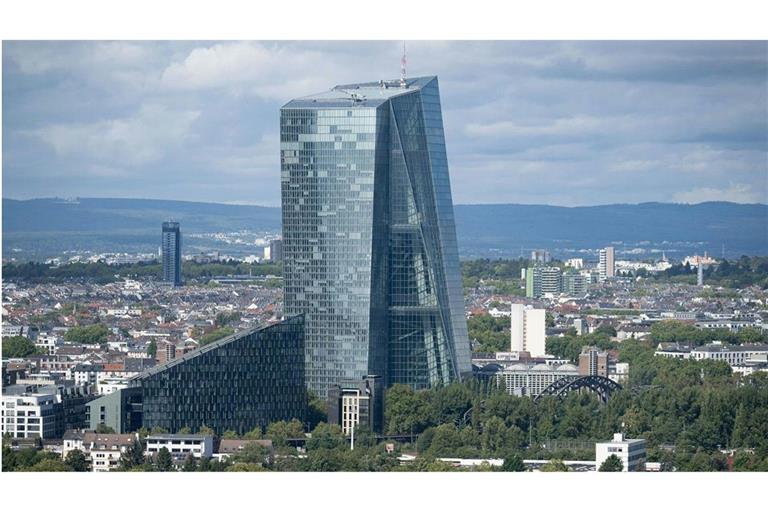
(369, 239)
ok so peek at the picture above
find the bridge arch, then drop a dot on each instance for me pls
(602, 386)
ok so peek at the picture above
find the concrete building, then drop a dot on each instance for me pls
(525, 378)
(120, 410)
(31, 412)
(593, 362)
(355, 403)
(734, 355)
(540, 256)
(632, 452)
(607, 263)
(540, 281)
(528, 330)
(575, 284)
(180, 445)
(274, 251)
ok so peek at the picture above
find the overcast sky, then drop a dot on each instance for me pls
(565, 123)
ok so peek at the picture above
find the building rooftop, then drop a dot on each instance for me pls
(361, 95)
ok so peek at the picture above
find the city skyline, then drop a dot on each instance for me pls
(565, 123)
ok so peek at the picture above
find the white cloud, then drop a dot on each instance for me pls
(736, 192)
(136, 140)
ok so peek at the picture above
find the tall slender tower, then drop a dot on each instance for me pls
(369, 241)
(171, 250)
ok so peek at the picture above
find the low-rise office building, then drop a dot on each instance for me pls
(732, 354)
(631, 452)
(180, 445)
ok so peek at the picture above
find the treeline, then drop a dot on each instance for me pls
(686, 410)
(102, 273)
(680, 332)
(741, 273)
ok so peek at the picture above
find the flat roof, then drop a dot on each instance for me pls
(360, 95)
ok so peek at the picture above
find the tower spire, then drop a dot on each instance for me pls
(402, 67)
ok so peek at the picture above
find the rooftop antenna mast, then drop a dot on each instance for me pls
(402, 68)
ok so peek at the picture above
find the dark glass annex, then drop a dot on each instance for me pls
(249, 379)
(369, 240)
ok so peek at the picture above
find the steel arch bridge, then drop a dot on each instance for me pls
(603, 386)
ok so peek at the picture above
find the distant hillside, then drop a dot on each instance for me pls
(742, 228)
(132, 214)
(42, 227)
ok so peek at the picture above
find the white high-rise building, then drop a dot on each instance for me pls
(607, 265)
(528, 330)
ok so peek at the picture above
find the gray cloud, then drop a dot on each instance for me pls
(532, 122)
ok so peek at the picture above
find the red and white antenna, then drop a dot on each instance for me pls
(402, 68)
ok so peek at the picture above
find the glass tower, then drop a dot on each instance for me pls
(171, 249)
(369, 240)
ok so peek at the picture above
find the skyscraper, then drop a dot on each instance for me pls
(369, 241)
(171, 248)
(607, 263)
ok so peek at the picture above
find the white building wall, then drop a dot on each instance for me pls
(517, 328)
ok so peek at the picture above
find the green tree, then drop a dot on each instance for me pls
(513, 462)
(152, 349)
(280, 431)
(164, 460)
(206, 431)
(94, 334)
(326, 436)
(184, 430)
(76, 460)
(49, 465)
(406, 411)
(215, 335)
(554, 465)
(18, 346)
(132, 457)
(229, 434)
(612, 463)
(101, 428)
(190, 463)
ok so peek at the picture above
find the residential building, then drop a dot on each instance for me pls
(607, 263)
(575, 284)
(355, 403)
(631, 452)
(592, 361)
(540, 256)
(171, 253)
(229, 447)
(274, 251)
(180, 445)
(369, 239)
(528, 330)
(575, 263)
(105, 450)
(540, 281)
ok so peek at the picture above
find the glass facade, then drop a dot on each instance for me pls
(246, 380)
(171, 249)
(369, 241)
